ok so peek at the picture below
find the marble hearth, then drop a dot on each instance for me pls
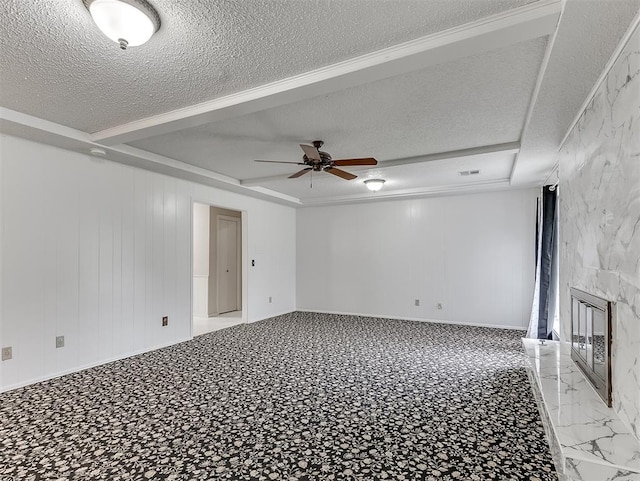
(588, 440)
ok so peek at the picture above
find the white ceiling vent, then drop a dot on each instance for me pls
(469, 172)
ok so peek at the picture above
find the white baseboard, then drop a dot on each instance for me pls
(160, 346)
(47, 377)
(418, 319)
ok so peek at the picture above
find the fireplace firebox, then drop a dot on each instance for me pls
(591, 339)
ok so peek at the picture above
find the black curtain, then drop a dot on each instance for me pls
(548, 258)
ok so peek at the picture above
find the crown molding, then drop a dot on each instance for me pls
(536, 91)
(605, 72)
(45, 132)
(508, 148)
(530, 21)
(460, 189)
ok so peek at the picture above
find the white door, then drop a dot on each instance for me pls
(227, 265)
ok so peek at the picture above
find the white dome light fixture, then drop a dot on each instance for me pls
(97, 152)
(129, 23)
(374, 185)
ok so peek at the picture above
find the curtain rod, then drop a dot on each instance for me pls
(554, 170)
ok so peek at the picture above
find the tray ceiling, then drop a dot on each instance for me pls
(203, 50)
(439, 176)
(430, 87)
(438, 109)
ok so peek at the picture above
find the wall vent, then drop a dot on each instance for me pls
(469, 172)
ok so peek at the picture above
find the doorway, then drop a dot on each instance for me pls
(217, 268)
(228, 264)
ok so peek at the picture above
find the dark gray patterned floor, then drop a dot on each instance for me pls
(298, 397)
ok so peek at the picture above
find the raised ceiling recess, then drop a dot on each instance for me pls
(428, 88)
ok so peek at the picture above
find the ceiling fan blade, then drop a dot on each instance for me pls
(340, 173)
(280, 162)
(299, 173)
(311, 152)
(363, 161)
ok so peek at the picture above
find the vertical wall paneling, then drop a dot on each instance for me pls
(105, 263)
(466, 252)
(169, 258)
(184, 263)
(127, 284)
(3, 200)
(50, 206)
(200, 256)
(98, 252)
(23, 296)
(67, 301)
(527, 266)
(246, 262)
(158, 300)
(148, 253)
(88, 264)
(116, 281)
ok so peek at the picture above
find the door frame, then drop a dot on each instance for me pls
(244, 216)
(238, 223)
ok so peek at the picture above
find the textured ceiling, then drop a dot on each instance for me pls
(58, 66)
(55, 65)
(588, 33)
(467, 103)
(437, 176)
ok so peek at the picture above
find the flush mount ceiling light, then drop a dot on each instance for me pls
(129, 23)
(374, 185)
(97, 152)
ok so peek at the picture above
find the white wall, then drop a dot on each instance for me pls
(472, 253)
(200, 260)
(99, 252)
(200, 239)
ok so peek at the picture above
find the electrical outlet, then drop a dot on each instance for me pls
(270, 299)
(165, 320)
(7, 353)
(59, 341)
(417, 303)
(439, 305)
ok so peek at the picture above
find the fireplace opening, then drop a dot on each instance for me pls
(591, 340)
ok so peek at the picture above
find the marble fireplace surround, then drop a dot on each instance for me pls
(588, 440)
(599, 212)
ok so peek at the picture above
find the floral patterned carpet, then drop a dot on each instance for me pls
(303, 396)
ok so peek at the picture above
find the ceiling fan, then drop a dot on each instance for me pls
(318, 161)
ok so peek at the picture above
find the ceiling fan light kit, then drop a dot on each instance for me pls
(129, 23)
(374, 185)
(317, 161)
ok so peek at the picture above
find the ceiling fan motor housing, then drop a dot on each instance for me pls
(318, 161)
(325, 160)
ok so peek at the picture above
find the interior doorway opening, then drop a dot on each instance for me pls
(217, 268)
